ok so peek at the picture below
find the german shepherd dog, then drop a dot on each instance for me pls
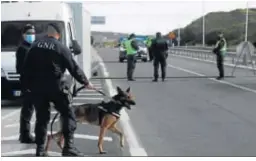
(104, 114)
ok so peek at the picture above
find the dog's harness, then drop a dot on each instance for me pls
(112, 113)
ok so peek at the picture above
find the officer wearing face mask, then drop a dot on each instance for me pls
(27, 108)
(44, 69)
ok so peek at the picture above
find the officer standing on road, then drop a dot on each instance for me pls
(149, 43)
(44, 70)
(160, 54)
(27, 108)
(131, 47)
(220, 51)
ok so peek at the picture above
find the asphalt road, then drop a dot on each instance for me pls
(86, 136)
(188, 116)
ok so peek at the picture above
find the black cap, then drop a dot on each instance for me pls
(158, 34)
(55, 26)
(28, 27)
(132, 35)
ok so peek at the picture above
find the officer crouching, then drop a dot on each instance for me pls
(160, 53)
(44, 70)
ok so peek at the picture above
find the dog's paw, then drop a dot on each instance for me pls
(103, 152)
(122, 142)
(46, 154)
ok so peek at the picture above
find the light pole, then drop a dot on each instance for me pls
(203, 25)
(246, 22)
(179, 36)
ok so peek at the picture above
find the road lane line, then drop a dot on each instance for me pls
(213, 79)
(18, 124)
(89, 94)
(28, 151)
(88, 98)
(10, 114)
(134, 147)
(77, 136)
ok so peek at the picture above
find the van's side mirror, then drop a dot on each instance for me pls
(76, 49)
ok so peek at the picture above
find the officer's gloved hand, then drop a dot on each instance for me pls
(89, 86)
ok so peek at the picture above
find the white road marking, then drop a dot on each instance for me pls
(77, 104)
(77, 136)
(18, 124)
(28, 151)
(88, 91)
(213, 79)
(88, 98)
(91, 90)
(54, 112)
(134, 146)
(10, 114)
(89, 94)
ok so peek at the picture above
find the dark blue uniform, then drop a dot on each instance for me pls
(27, 108)
(44, 70)
(160, 53)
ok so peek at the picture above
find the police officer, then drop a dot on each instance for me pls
(220, 51)
(149, 43)
(131, 47)
(27, 108)
(160, 53)
(44, 70)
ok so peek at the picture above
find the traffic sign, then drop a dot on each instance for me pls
(172, 35)
(98, 20)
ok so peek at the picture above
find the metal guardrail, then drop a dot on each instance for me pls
(232, 49)
(231, 57)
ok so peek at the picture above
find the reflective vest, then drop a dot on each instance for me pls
(129, 49)
(224, 48)
(149, 42)
(122, 44)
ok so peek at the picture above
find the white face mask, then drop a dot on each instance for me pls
(30, 38)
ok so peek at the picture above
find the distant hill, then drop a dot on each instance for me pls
(102, 36)
(232, 24)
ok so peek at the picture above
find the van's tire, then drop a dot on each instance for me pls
(121, 60)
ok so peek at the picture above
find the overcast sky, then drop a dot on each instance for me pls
(150, 17)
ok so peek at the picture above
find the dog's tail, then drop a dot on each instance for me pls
(53, 123)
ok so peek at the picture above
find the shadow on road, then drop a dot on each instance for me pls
(10, 103)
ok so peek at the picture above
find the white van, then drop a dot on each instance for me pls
(14, 16)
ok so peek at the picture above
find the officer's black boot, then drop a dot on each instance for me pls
(40, 152)
(26, 138)
(155, 80)
(220, 78)
(70, 150)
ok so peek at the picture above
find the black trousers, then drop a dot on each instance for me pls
(26, 113)
(220, 66)
(150, 53)
(131, 64)
(62, 103)
(162, 62)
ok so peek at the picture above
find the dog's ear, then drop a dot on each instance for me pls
(119, 90)
(128, 90)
